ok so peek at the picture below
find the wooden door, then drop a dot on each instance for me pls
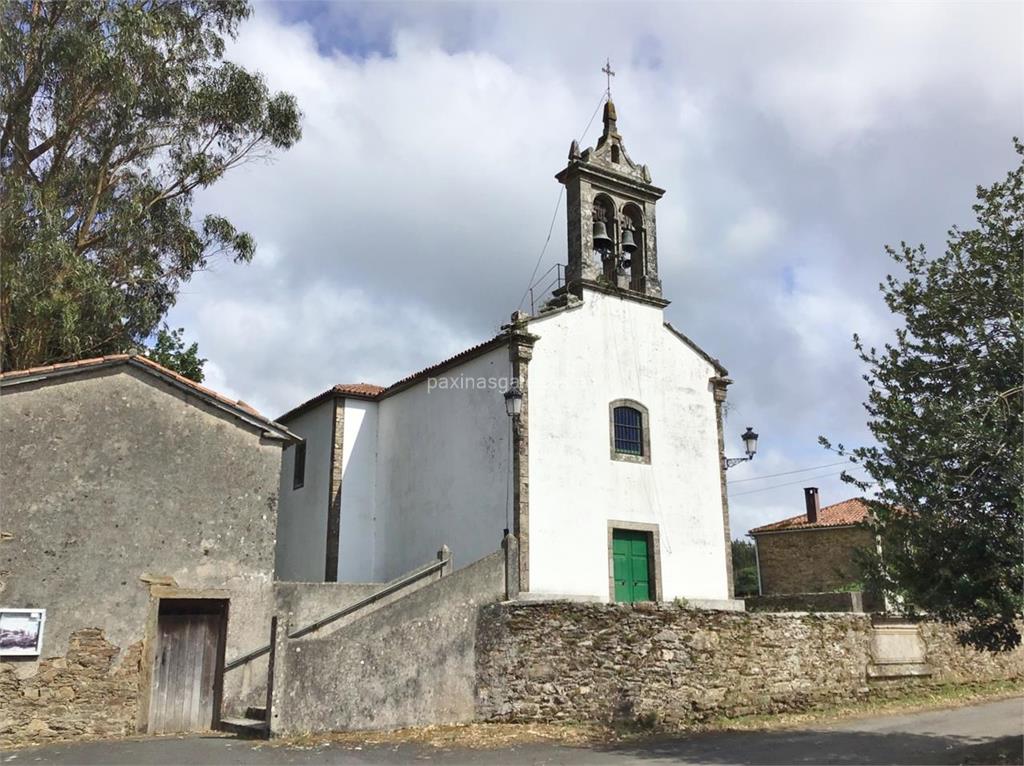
(187, 669)
(631, 562)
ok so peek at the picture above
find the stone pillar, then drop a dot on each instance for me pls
(445, 557)
(650, 282)
(334, 498)
(520, 351)
(719, 385)
(279, 682)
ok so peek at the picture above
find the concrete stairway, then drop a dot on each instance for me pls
(252, 726)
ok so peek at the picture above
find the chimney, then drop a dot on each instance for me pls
(813, 504)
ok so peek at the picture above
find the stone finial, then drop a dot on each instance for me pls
(609, 118)
(574, 150)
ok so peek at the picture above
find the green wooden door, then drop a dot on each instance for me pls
(632, 565)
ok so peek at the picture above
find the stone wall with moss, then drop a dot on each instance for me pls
(951, 662)
(91, 691)
(661, 663)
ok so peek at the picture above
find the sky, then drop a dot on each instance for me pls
(795, 140)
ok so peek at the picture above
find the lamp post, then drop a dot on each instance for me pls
(513, 408)
(749, 446)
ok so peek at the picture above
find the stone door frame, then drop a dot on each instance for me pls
(150, 644)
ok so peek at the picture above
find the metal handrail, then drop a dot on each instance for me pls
(387, 590)
(537, 294)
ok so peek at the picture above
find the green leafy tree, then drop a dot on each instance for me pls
(170, 351)
(744, 568)
(112, 114)
(946, 407)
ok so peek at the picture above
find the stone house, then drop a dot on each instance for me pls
(610, 475)
(138, 511)
(814, 552)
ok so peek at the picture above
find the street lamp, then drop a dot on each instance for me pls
(749, 446)
(514, 400)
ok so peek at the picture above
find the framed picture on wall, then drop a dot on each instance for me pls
(21, 632)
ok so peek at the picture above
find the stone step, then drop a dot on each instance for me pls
(259, 713)
(246, 727)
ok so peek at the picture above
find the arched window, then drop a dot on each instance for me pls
(633, 243)
(604, 226)
(630, 432)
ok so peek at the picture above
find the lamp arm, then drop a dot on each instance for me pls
(729, 462)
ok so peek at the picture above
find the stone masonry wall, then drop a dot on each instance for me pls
(91, 691)
(951, 662)
(660, 663)
(810, 561)
(112, 481)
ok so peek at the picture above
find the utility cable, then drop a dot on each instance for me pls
(787, 473)
(788, 483)
(558, 204)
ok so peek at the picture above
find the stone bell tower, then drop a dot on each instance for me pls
(610, 202)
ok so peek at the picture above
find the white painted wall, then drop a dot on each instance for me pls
(302, 513)
(611, 348)
(358, 528)
(442, 469)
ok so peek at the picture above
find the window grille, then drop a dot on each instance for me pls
(629, 431)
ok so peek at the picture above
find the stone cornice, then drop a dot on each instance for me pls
(625, 293)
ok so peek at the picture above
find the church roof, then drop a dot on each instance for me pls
(844, 514)
(372, 392)
(469, 353)
(235, 407)
(367, 391)
(700, 352)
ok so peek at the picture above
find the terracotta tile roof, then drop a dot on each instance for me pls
(374, 393)
(137, 360)
(846, 513)
(358, 389)
(426, 372)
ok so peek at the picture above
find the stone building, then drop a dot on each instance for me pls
(814, 552)
(138, 511)
(610, 477)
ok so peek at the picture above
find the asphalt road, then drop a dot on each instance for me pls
(973, 735)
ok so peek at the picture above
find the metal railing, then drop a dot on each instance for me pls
(444, 560)
(545, 285)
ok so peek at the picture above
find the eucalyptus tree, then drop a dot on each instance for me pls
(112, 115)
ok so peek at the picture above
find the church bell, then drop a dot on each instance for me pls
(628, 243)
(602, 241)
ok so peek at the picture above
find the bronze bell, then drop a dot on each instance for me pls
(628, 243)
(601, 239)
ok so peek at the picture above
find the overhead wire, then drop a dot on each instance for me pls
(787, 473)
(790, 483)
(558, 204)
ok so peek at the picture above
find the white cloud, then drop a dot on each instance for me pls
(794, 141)
(755, 230)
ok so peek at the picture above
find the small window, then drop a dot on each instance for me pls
(299, 472)
(629, 431)
(630, 435)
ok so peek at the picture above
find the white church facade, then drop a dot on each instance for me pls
(610, 478)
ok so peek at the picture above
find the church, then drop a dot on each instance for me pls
(588, 432)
